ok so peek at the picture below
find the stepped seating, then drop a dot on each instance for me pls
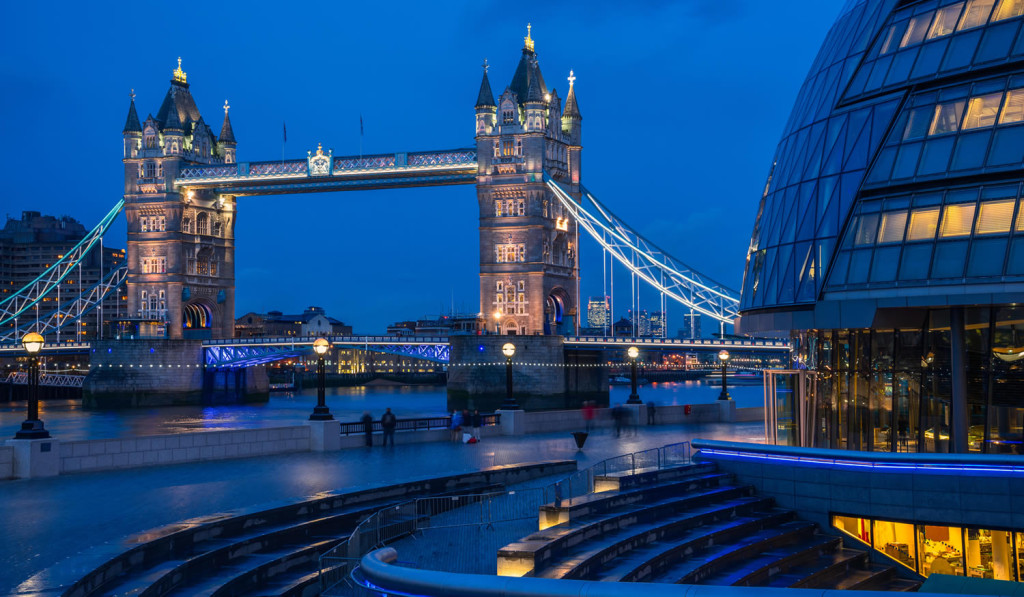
(268, 552)
(692, 525)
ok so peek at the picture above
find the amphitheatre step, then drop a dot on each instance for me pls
(757, 571)
(651, 560)
(827, 569)
(303, 583)
(536, 551)
(594, 503)
(620, 480)
(717, 558)
(876, 576)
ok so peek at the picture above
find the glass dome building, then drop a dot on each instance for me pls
(889, 239)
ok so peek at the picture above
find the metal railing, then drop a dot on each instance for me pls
(420, 424)
(340, 564)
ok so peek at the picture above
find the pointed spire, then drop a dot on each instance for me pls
(534, 93)
(172, 121)
(571, 108)
(131, 125)
(179, 75)
(485, 98)
(528, 41)
(226, 134)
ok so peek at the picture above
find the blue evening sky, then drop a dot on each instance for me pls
(683, 103)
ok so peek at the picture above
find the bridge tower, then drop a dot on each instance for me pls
(529, 244)
(180, 254)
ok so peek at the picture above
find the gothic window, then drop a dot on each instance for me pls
(217, 227)
(519, 147)
(500, 286)
(497, 150)
(163, 301)
(510, 253)
(161, 223)
(544, 207)
(186, 225)
(521, 286)
(202, 224)
(144, 224)
(497, 208)
(522, 207)
(191, 267)
(174, 147)
(150, 170)
(143, 299)
(506, 148)
(507, 116)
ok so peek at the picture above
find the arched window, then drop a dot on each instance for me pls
(202, 224)
(186, 225)
(217, 228)
(150, 170)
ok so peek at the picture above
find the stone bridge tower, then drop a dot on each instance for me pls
(529, 244)
(180, 254)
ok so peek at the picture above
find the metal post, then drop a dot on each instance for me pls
(320, 411)
(725, 390)
(32, 427)
(634, 398)
(510, 402)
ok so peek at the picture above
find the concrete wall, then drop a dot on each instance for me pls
(98, 455)
(6, 462)
(476, 372)
(963, 489)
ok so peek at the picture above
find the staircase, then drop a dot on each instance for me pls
(691, 525)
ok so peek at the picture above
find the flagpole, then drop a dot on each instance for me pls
(360, 136)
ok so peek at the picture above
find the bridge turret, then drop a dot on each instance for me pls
(173, 133)
(572, 126)
(486, 109)
(226, 143)
(132, 131)
(535, 104)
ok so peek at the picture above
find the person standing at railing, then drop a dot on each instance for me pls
(588, 414)
(650, 412)
(475, 422)
(387, 425)
(456, 426)
(368, 427)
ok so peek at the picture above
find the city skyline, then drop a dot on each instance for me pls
(361, 257)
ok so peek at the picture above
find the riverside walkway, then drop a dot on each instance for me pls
(49, 521)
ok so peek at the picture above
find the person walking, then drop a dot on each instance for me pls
(456, 426)
(650, 412)
(617, 416)
(368, 427)
(387, 425)
(475, 424)
(588, 414)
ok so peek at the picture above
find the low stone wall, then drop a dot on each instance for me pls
(99, 455)
(6, 462)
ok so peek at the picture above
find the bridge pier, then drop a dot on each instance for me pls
(545, 375)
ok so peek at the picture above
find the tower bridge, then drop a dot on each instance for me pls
(183, 183)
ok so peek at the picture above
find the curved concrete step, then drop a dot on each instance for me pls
(618, 481)
(536, 551)
(758, 570)
(827, 569)
(651, 560)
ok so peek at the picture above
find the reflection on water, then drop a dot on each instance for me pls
(67, 419)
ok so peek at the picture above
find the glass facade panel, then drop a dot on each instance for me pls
(917, 29)
(1013, 108)
(915, 261)
(949, 260)
(896, 540)
(970, 151)
(923, 223)
(990, 554)
(941, 550)
(982, 111)
(1007, 147)
(892, 225)
(945, 20)
(995, 216)
(957, 220)
(976, 14)
(1008, 9)
(987, 257)
(858, 528)
(946, 118)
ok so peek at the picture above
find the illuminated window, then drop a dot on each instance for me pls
(507, 117)
(945, 20)
(976, 14)
(982, 111)
(510, 253)
(522, 207)
(507, 148)
(946, 118)
(144, 224)
(497, 208)
(186, 225)
(896, 540)
(916, 30)
(202, 224)
(519, 147)
(923, 223)
(892, 225)
(1008, 9)
(500, 286)
(995, 217)
(497, 149)
(1013, 109)
(940, 549)
(891, 39)
(957, 220)
(521, 286)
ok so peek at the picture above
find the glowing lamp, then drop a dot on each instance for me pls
(633, 352)
(32, 342)
(723, 355)
(509, 349)
(320, 346)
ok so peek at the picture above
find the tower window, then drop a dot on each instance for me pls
(507, 117)
(150, 170)
(202, 224)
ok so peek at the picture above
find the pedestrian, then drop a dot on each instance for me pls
(588, 414)
(368, 427)
(467, 424)
(476, 423)
(650, 412)
(617, 416)
(387, 425)
(456, 426)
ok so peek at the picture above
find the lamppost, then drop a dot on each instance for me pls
(320, 411)
(633, 353)
(723, 355)
(509, 350)
(32, 428)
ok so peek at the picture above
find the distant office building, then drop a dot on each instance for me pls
(444, 325)
(313, 321)
(598, 312)
(657, 324)
(691, 327)
(35, 242)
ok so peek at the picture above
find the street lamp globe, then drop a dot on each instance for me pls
(320, 346)
(509, 350)
(32, 342)
(633, 352)
(723, 355)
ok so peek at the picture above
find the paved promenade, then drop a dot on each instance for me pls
(45, 521)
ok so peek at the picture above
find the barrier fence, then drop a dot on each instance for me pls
(421, 424)
(338, 566)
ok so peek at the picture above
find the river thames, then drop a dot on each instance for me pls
(67, 420)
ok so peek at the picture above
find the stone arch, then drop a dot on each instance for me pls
(557, 304)
(196, 316)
